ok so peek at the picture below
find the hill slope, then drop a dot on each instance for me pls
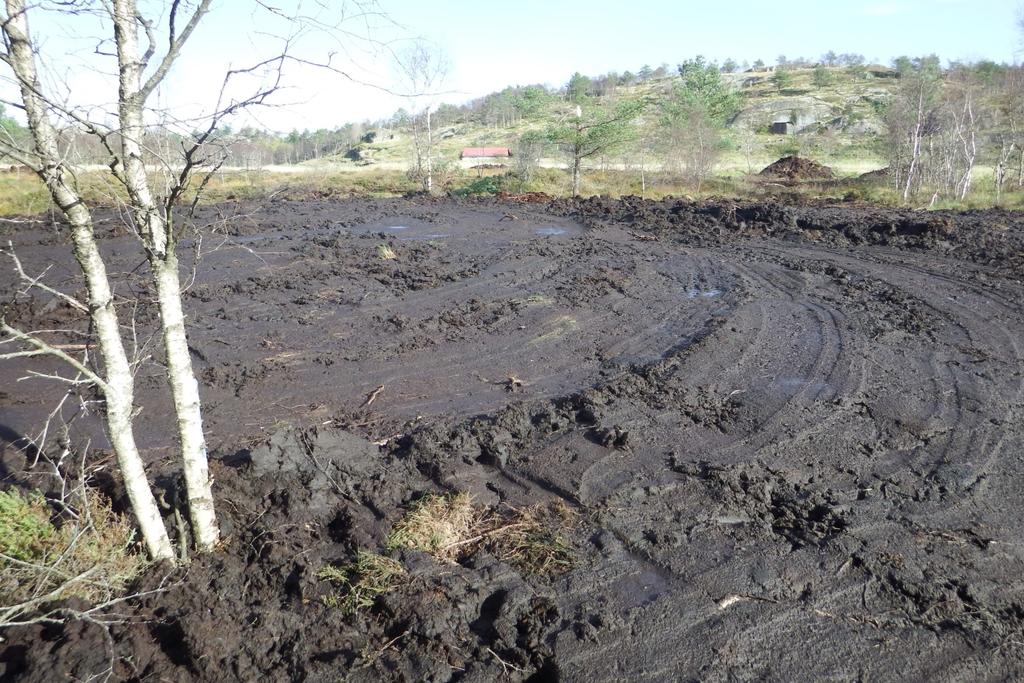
(839, 124)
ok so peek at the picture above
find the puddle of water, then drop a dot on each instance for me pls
(456, 230)
(696, 293)
(432, 236)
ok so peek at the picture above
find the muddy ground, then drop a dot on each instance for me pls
(792, 435)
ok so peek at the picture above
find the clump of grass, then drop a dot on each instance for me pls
(531, 539)
(484, 185)
(89, 554)
(533, 300)
(386, 253)
(451, 527)
(25, 527)
(361, 582)
(561, 326)
(22, 194)
(442, 526)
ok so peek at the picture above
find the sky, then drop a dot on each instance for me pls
(490, 45)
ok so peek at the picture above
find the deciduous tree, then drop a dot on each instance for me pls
(423, 68)
(822, 77)
(142, 48)
(782, 78)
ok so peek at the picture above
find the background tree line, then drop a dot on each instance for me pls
(941, 123)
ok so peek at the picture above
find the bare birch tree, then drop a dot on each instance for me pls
(117, 384)
(963, 115)
(156, 228)
(1008, 128)
(145, 51)
(911, 118)
(423, 69)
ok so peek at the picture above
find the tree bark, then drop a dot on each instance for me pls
(430, 155)
(158, 238)
(576, 175)
(187, 404)
(118, 390)
(916, 146)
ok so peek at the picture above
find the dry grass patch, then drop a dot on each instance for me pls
(386, 253)
(442, 526)
(532, 539)
(361, 582)
(451, 527)
(562, 326)
(88, 553)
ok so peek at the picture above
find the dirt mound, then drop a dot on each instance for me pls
(300, 501)
(526, 197)
(797, 168)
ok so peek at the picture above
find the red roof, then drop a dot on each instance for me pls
(478, 152)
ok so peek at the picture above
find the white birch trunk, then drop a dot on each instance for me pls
(187, 404)
(914, 154)
(970, 148)
(430, 155)
(119, 385)
(916, 147)
(158, 239)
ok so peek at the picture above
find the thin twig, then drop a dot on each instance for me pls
(48, 349)
(35, 281)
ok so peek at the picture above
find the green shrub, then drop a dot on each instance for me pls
(361, 582)
(88, 552)
(485, 185)
(26, 532)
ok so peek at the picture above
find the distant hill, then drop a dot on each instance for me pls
(838, 122)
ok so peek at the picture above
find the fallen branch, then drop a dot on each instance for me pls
(505, 665)
(372, 396)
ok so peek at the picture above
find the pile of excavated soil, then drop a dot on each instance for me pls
(791, 437)
(797, 168)
(528, 197)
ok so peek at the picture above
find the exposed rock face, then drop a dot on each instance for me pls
(803, 112)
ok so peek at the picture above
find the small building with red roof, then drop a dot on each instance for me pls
(485, 152)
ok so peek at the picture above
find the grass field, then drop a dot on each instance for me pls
(23, 194)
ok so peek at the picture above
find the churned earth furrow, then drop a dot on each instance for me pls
(790, 437)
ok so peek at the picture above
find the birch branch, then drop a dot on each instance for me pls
(174, 45)
(43, 348)
(36, 282)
